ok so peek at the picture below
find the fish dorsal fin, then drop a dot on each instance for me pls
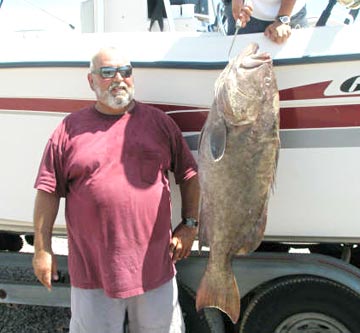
(218, 140)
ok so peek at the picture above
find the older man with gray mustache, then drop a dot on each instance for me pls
(111, 163)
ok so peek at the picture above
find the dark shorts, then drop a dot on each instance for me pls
(298, 20)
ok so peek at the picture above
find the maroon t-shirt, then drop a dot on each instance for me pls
(113, 172)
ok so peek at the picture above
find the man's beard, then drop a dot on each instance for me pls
(120, 100)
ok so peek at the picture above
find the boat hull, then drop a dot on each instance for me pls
(316, 193)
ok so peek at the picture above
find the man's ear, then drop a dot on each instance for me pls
(91, 81)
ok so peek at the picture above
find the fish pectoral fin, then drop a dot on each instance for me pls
(218, 140)
(203, 225)
(226, 298)
(275, 167)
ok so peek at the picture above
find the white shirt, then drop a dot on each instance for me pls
(267, 10)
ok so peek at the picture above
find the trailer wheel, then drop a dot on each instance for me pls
(303, 304)
(10, 242)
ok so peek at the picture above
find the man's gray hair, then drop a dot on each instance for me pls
(112, 49)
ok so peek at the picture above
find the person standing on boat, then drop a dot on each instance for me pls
(111, 162)
(275, 18)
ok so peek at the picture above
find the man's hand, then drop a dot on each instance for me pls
(181, 241)
(278, 32)
(45, 267)
(242, 11)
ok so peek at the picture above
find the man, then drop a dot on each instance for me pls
(111, 163)
(275, 18)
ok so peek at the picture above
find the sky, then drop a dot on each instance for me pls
(58, 15)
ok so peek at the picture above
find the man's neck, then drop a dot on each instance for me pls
(102, 108)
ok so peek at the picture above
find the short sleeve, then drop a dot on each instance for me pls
(50, 174)
(183, 163)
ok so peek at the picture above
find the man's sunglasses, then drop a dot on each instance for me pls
(110, 72)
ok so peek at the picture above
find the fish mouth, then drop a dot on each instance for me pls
(253, 58)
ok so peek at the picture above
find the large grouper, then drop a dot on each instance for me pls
(238, 153)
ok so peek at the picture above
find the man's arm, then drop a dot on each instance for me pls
(242, 10)
(183, 236)
(286, 7)
(44, 261)
(279, 32)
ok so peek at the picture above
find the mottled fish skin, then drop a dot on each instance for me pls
(238, 155)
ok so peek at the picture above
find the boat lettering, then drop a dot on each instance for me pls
(351, 85)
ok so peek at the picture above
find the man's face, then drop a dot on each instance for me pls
(116, 92)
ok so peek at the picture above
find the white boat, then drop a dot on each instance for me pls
(318, 71)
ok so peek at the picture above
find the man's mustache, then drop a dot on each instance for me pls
(115, 85)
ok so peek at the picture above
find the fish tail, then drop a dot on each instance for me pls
(219, 291)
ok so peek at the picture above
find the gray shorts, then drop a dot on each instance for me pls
(156, 311)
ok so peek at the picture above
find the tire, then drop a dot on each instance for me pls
(303, 304)
(29, 239)
(273, 247)
(10, 242)
(333, 250)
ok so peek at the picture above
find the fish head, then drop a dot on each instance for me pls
(244, 85)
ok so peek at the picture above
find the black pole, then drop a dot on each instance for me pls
(326, 13)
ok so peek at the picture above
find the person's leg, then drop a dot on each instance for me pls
(156, 311)
(93, 312)
(299, 20)
(229, 18)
